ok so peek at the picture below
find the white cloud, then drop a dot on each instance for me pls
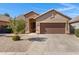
(73, 14)
(67, 7)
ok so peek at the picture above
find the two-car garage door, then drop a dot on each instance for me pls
(52, 28)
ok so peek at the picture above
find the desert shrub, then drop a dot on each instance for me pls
(77, 32)
(16, 38)
(9, 30)
(5, 29)
(72, 29)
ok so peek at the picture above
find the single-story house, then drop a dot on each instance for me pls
(50, 22)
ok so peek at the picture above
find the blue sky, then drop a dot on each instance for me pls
(16, 9)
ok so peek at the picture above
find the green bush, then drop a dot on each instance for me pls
(16, 38)
(77, 32)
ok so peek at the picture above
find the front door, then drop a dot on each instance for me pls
(32, 25)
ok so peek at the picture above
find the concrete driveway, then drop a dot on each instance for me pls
(36, 44)
(55, 44)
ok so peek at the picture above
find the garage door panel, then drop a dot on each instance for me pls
(54, 25)
(52, 28)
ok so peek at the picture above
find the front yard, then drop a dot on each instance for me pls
(8, 45)
(40, 44)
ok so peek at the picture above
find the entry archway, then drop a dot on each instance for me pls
(32, 25)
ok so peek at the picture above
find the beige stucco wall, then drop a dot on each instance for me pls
(27, 25)
(48, 18)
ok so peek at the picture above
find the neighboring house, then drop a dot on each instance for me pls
(4, 21)
(51, 22)
(75, 22)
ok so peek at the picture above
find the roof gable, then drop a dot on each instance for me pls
(54, 11)
(29, 14)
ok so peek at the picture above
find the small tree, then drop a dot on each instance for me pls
(18, 27)
(6, 14)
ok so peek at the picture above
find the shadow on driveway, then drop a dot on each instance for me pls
(39, 39)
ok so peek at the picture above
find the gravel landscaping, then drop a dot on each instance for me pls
(8, 45)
